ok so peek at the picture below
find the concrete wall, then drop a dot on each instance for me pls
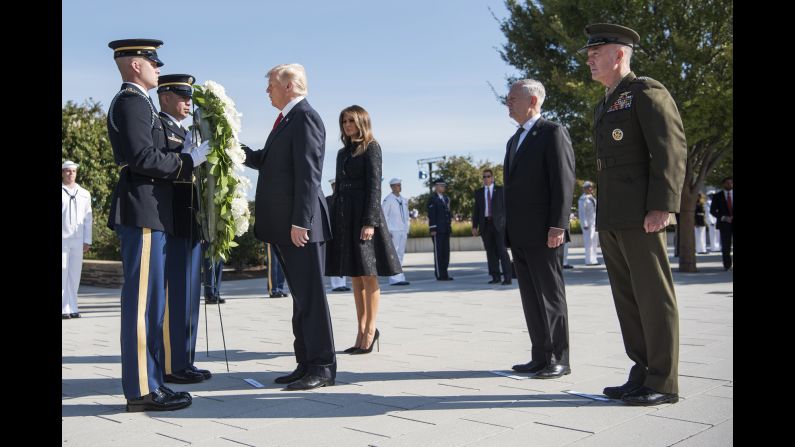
(424, 244)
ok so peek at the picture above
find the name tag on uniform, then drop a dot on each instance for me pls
(176, 139)
(624, 101)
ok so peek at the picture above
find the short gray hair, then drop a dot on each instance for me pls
(294, 73)
(533, 88)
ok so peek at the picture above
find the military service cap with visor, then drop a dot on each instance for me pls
(181, 84)
(603, 33)
(137, 47)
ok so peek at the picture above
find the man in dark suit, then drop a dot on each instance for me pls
(722, 208)
(539, 183)
(183, 248)
(488, 220)
(141, 213)
(291, 214)
(440, 225)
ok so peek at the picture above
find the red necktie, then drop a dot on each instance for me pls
(488, 207)
(729, 202)
(278, 120)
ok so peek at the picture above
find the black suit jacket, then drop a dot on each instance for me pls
(539, 185)
(144, 194)
(288, 188)
(497, 212)
(720, 208)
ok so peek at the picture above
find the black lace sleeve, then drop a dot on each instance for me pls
(372, 186)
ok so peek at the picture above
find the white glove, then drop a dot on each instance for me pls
(199, 154)
(187, 145)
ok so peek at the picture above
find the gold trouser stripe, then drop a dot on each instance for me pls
(143, 287)
(167, 335)
(270, 266)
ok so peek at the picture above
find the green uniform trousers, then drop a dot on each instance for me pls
(643, 292)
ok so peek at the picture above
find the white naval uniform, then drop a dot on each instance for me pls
(337, 281)
(396, 213)
(586, 208)
(76, 222)
(714, 232)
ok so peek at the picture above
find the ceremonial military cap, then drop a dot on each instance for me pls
(602, 33)
(440, 181)
(137, 47)
(181, 84)
(395, 181)
(69, 164)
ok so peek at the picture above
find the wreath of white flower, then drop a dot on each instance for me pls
(227, 214)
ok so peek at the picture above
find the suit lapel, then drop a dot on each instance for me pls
(537, 128)
(284, 123)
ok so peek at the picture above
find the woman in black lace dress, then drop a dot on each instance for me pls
(361, 246)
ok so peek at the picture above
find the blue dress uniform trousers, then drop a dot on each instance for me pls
(275, 272)
(212, 286)
(143, 253)
(183, 289)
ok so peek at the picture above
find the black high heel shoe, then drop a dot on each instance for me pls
(351, 349)
(370, 349)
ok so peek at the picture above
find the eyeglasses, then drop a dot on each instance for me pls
(486, 176)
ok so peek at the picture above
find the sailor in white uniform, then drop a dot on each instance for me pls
(586, 207)
(76, 222)
(396, 213)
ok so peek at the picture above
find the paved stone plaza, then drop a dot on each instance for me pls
(432, 382)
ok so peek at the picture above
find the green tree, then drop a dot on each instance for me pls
(463, 177)
(84, 140)
(685, 44)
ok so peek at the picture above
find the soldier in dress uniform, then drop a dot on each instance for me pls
(641, 153)
(338, 283)
(440, 223)
(275, 274)
(183, 248)
(141, 213)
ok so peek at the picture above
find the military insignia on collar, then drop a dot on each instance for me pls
(624, 101)
(618, 134)
(176, 139)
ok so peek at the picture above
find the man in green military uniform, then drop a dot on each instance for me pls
(641, 154)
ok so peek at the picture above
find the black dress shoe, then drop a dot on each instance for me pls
(75, 315)
(158, 400)
(184, 376)
(340, 289)
(507, 282)
(214, 300)
(553, 372)
(346, 289)
(169, 392)
(207, 374)
(278, 295)
(494, 281)
(401, 283)
(647, 396)
(299, 372)
(530, 367)
(65, 316)
(568, 266)
(617, 392)
(308, 382)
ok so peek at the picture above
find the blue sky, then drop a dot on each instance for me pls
(420, 68)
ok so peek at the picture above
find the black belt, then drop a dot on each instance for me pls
(621, 160)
